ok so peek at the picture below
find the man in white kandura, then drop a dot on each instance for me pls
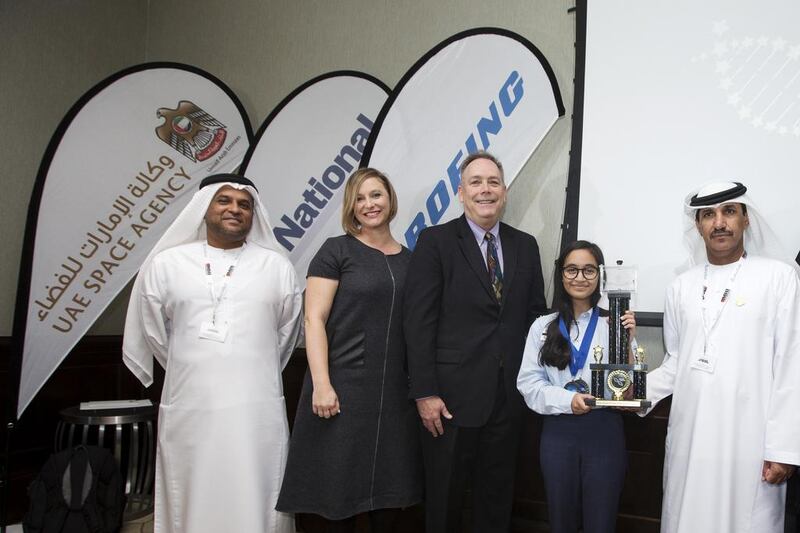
(219, 307)
(732, 334)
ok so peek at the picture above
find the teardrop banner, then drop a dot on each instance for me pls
(482, 89)
(119, 168)
(304, 152)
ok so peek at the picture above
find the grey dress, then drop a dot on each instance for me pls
(367, 457)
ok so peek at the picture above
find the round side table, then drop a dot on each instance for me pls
(130, 435)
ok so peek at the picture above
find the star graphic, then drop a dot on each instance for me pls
(719, 27)
(763, 41)
(725, 84)
(744, 112)
(782, 130)
(794, 52)
(771, 125)
(722, 67)
(734, 99)
(779, 43)
(748, 42)
(735, 44)
(758, 121)
(796, 131)
(720, 48)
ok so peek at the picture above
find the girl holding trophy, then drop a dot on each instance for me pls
(582, 450)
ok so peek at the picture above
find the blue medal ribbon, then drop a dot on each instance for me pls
(579, 356)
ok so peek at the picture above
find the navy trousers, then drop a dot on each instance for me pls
(583, 461)
(484, 455)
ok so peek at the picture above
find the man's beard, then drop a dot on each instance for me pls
(227, 234)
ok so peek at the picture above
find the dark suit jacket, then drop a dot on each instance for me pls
(456, 332)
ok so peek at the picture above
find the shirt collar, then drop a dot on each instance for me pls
(480, 233)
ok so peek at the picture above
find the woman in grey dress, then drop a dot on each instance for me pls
(354, 445)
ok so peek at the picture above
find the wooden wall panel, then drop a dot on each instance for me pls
(94, 371)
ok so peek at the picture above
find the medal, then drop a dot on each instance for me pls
(577, 385)
(579, 355)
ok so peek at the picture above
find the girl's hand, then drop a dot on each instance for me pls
(629, 323)
(579, 406)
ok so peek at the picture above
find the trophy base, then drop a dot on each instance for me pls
(635, 404)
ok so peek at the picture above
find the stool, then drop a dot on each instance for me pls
(130, 435)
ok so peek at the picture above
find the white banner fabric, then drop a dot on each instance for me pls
(127, 163)
(477, 91)
(304, 153)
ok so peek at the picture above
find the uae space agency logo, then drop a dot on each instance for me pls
(191, 131)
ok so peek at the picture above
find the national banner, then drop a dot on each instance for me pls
(304, 152)
(120, 167)
(483, 89)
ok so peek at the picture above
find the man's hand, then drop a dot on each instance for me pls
(776, 473)
(579, 406)
(430, 411)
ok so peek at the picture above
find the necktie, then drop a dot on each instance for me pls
(493, 264)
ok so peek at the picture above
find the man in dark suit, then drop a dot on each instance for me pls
(474, 287)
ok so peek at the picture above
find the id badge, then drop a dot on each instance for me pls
(214, 332)
(704, 363)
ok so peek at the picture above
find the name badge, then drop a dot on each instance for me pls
(214, 332)
(704, 363)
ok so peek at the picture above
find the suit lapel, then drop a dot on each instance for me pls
(508, 242)
(472, 253)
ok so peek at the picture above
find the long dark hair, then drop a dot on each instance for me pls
(555, 350)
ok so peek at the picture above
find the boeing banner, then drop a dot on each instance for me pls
(120, 167)
(483, 89)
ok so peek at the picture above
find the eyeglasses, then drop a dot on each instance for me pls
(589, 272)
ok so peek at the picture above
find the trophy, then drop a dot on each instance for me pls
(618, 283)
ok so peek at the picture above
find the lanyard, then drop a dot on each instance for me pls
(708, 329)
(217, 299)
(579, 356)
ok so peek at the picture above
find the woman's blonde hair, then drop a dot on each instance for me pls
(354, 182)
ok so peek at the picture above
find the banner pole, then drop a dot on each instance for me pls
(4, 478)
(17, 343)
